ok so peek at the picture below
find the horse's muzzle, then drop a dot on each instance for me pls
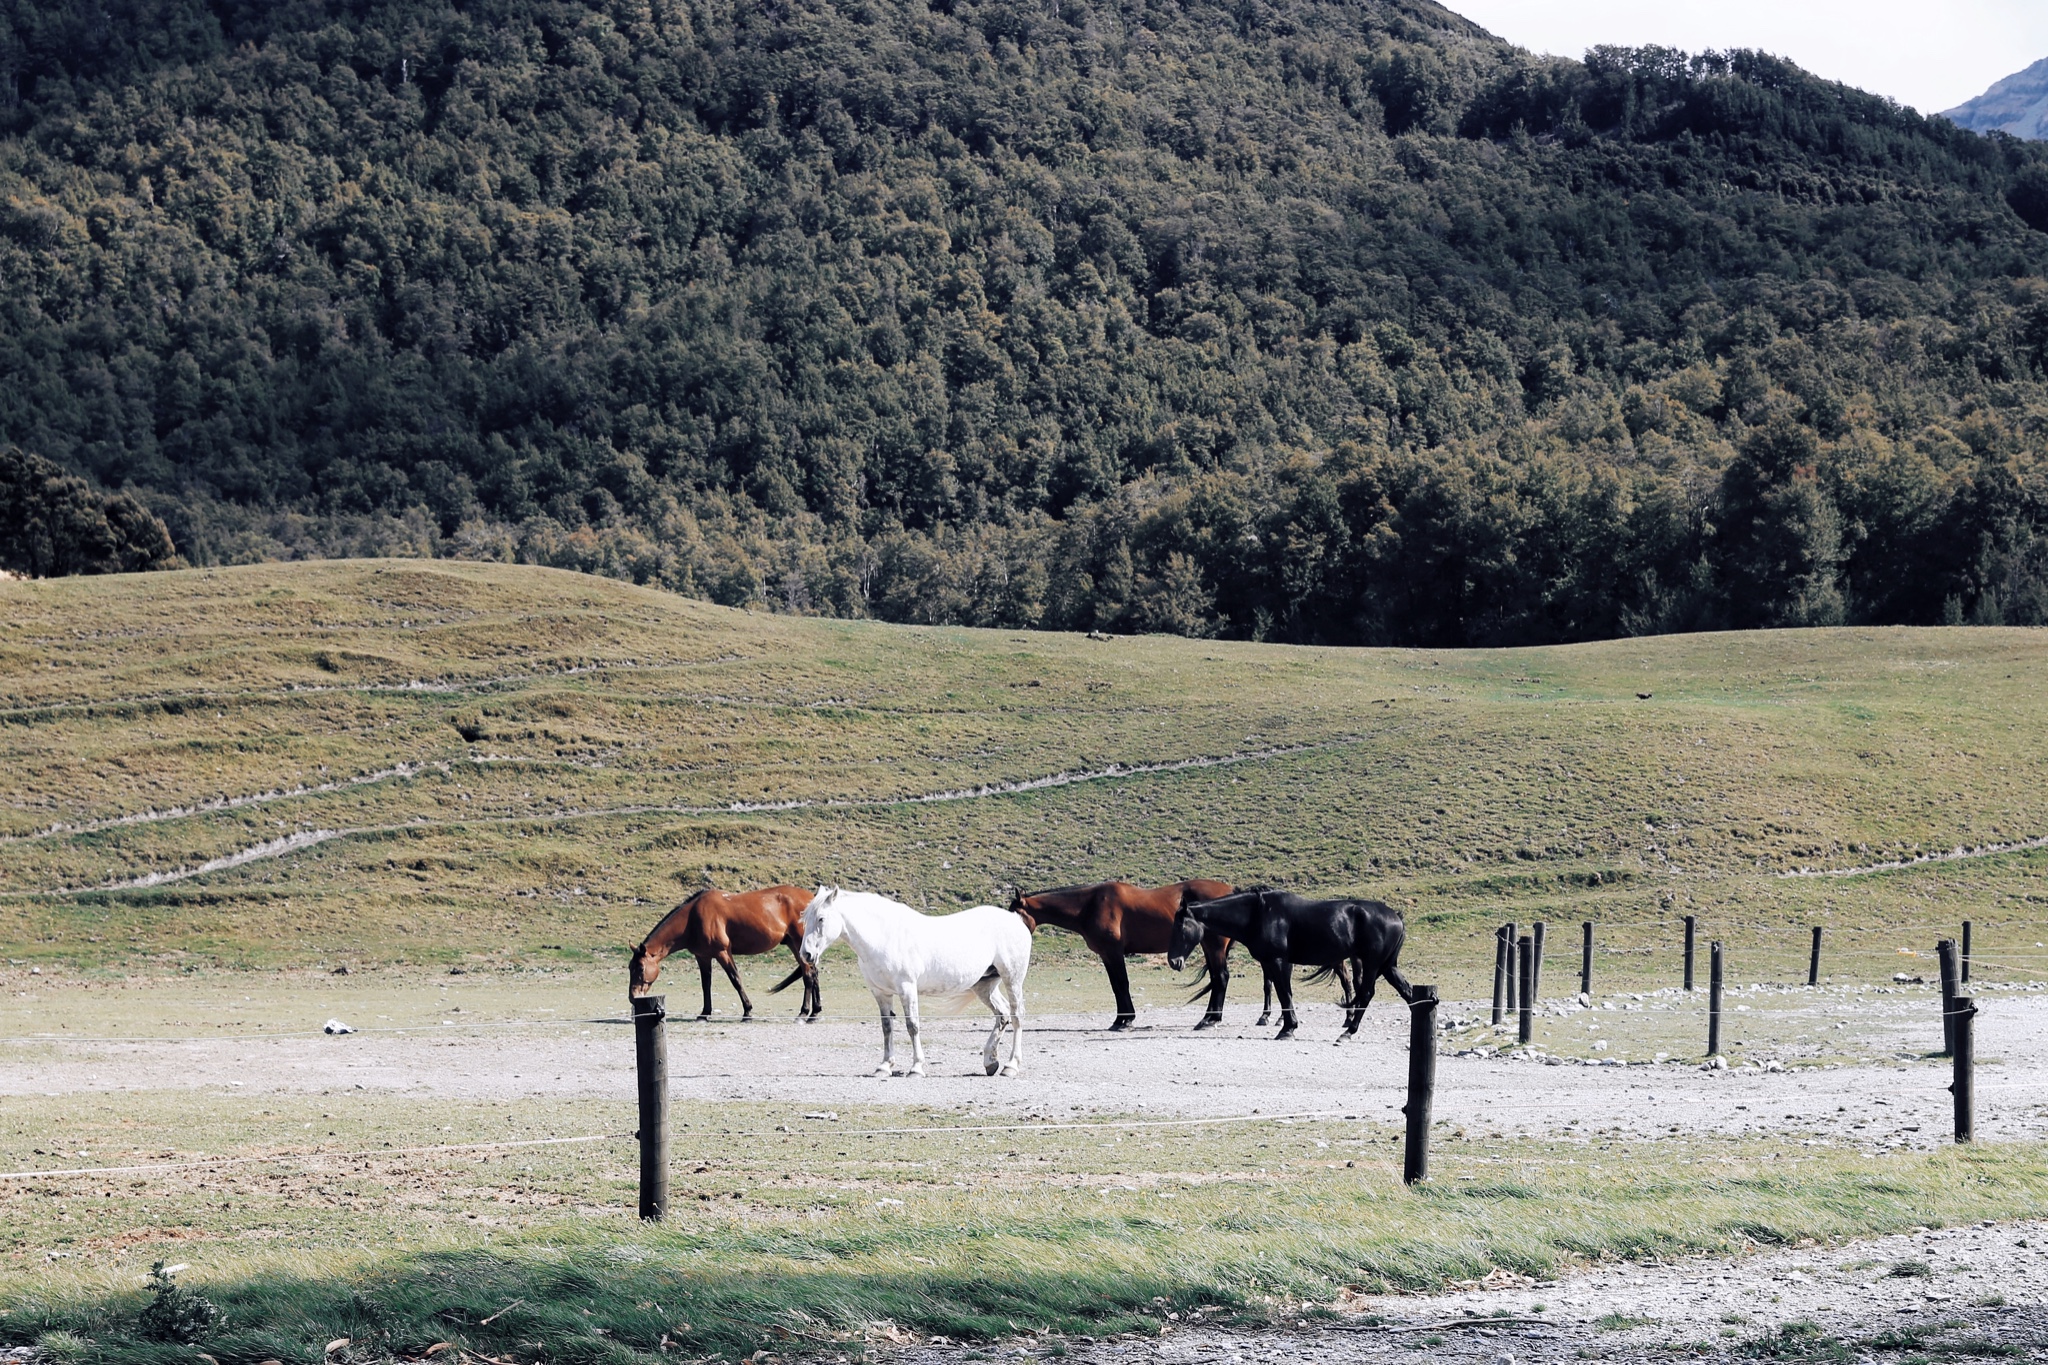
(1176, 962)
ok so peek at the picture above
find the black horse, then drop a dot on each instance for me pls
(1281, 930)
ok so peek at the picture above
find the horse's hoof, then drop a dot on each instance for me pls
(882, 1072)
(989, 1067)
(702, 1017)
(1011, 1069)
(1208, 1021)
(1123, 1022)
(1283, 1035)
(1264, 1020)
(917, 1070)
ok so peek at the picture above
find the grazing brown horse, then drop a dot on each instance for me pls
(1116, 919)
(714, 925)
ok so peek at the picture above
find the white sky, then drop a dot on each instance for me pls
(1929, 54)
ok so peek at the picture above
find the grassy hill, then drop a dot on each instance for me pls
(494, 765)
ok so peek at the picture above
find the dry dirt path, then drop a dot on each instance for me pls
(1074, 1068)
(1978, 1291)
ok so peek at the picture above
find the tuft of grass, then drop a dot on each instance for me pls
(1803, 1341)
(1911, 1270)
(1621, 1322)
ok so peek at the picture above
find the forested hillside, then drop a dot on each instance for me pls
(1289, 318)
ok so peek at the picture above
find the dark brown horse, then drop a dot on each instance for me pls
(1116, 919)
(714, 925)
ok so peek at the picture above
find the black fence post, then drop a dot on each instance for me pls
(1813, 962)
(1421, 1083)
(1514, 977)
(650, 1053)
(1586, 963)
(1966, 953)
(1946, 951)
(1963, 1013)
(1714, 1000)
(1527, 949)
(1692, 925)
(1500, 973)
(1536, 969)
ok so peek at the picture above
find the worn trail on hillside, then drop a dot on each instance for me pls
(275, 848)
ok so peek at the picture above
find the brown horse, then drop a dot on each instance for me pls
(1116, 919)
(714, 925)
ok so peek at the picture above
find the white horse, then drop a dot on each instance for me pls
(909, 957)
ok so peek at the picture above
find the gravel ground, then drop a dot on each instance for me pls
(1075, 1068)
(1975, 1291)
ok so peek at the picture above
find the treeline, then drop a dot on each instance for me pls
(53, 523)
(1306, 320)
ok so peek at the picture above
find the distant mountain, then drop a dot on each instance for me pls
(1333, 321)
(2017, 105)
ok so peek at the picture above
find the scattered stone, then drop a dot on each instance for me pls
(336, 1026)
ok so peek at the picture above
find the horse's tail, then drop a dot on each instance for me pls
(789, 980)
(1201, 980)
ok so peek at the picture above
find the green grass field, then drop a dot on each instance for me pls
(512, 764)
(517, 771)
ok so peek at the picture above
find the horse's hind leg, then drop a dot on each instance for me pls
(990, 989)
(1266, 1010)
(1013, 986)
(732, 973)
(1399, 982)
(1362, 997)
(704, 974)
(914, 1025)
(814, 996)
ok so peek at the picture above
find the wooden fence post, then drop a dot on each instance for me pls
(1421, 1083)
(1586, 963)
(1527, 1028)
(1714, 1000)
(1813, 962)
(650, 1054)
(1946, 951)
(1965, 977)
(1964, 1016)
(1500, 975)
(1691, 928)
(1536, 969)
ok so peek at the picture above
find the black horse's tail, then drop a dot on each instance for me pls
(1201, 981)
(789, 980)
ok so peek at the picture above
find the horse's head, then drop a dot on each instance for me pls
(640, 975)
(1021, 907)
(1186, 937)
(824, 921)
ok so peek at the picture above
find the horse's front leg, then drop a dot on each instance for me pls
(1218, 956)
(912, 1023)
(704, 972)
(732, 972)
(991, 992)
(1266, 1010)
(1120, 982)
(1280, 976)
(814, 995)
(887, 1005)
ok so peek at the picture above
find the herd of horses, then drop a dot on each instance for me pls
(907, 957)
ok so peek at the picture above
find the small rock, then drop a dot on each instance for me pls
(342, 970)
(336, 1026)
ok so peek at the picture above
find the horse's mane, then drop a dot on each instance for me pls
(1061, 890)
(687, 907)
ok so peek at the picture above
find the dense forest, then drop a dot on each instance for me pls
(1289, 319)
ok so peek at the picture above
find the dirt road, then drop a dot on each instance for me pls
(1076, 1068)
